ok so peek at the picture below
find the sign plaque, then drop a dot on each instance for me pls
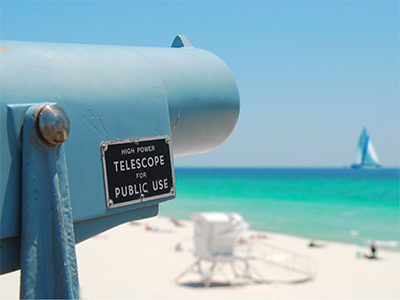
(137, 170)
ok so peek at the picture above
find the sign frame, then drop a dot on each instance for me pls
(135, 142)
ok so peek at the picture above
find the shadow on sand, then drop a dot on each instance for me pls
(216, 284)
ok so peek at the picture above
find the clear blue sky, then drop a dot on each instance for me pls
(311, 75)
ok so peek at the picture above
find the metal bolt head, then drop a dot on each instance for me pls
(110, 203)
(52, 124)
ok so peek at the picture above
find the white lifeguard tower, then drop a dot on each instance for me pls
(215, 238)
(216, 241)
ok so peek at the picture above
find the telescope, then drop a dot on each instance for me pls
(88, 137)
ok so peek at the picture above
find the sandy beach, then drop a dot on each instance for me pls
(130, 262)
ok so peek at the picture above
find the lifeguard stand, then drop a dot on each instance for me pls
(215, 238)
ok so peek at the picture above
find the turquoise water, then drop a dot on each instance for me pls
(345, 205)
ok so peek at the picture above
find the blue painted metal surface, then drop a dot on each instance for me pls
(48, 260)
(109, 93)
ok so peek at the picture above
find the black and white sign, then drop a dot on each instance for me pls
(137, 170)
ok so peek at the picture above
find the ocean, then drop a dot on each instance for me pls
(343, 205)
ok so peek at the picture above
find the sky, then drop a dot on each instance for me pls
(310, 74)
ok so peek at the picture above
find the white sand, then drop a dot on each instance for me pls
(129, 262)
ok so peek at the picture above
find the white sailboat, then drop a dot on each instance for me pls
(365, 153)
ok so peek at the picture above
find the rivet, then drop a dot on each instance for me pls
(52, 124)
(104, 147)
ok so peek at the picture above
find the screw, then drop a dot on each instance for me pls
(52, 124)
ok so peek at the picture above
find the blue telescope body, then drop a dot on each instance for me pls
(118, 100)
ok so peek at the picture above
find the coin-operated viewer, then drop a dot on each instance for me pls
(88, 136)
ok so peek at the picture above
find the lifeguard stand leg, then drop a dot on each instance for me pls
(48, 260)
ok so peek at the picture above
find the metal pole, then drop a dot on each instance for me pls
(48, 260)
